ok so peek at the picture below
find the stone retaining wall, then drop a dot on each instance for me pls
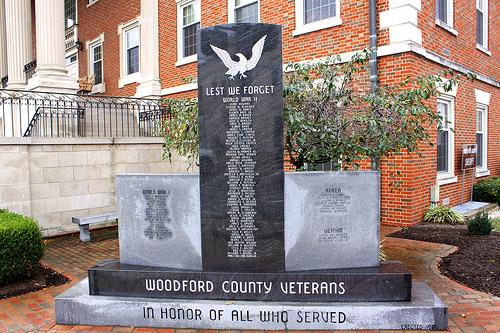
(55, 179)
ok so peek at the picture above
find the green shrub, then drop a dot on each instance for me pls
(21, 246)
(443, 215)
(480, 224)
(495, 223)
(487, 190)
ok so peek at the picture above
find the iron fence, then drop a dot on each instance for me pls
(29, 69)
(39, 114)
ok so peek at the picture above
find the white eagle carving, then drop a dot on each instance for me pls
(244, 64)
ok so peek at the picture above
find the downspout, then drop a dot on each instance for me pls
(373, 59)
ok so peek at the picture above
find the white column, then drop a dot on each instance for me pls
(150, 85)
(51, 73)
(3, 41)
(18, 29)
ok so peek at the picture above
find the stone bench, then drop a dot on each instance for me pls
(85, 222)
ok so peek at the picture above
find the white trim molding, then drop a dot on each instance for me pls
(402, 21)
(150, 85)
(303, 28)
(482, 97)
(179, 89)
(451, 93)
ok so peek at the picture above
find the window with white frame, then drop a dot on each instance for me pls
(481, 136)
(445, 139)
(312, 15)
(482, 23)
(188, 24)
(69, 13)
(131, 41)
(444, 12)
(95, 61)
(243, 11)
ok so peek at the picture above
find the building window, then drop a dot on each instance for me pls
(131, 50)
(71, 63)
(482, 23)
(444, 12)
(69, 13)
(481, 136)
(96, 62)
(317, 10)
(312, 15)
(445, 139)
(188, 24)
(243, 11)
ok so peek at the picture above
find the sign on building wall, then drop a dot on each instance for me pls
(469, 156)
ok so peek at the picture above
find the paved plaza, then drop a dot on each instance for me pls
(469, 310)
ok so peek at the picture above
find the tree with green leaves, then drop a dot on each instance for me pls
(331, 114)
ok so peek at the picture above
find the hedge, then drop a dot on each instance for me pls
(487, 190)
(21, 246)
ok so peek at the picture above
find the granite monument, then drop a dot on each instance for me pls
(243, 245)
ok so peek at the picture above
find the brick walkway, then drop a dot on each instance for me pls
(470, 311)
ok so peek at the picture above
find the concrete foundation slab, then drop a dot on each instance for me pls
(425, 312)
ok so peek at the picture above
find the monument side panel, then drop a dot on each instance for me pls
(241, 147)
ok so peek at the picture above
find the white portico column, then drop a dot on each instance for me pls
(150, 72)
(51, 73)
(3, 41)
(18, 28)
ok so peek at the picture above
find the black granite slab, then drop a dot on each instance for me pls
(389, 282)
(241, 147)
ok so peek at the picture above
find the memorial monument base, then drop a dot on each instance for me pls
(424, 312)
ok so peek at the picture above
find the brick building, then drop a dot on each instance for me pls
(147, 48)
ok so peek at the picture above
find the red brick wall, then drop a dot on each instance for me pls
(351, 35)
(406, 204)
(462, 48)
(405, 195)
(104, 17)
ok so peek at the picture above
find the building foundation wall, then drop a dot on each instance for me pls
(53, 180)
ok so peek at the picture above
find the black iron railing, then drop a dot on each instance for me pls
(5, 80)
(38, 114)
(29, 69)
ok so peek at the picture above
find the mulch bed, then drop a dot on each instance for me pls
(43, 278)
(475, 264)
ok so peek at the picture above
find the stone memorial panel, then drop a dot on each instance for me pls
(241, 147)
(425, 312)
(159, 221)
(389, 282)
(332, 219)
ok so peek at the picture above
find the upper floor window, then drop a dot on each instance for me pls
(188, 24)
(131, 42)
(482, 23)
(96, 61)
(69, 13)
(243, 11)
(317, 10)
(445, 139)
(312, 15)
(444, 12)
(130, 52)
